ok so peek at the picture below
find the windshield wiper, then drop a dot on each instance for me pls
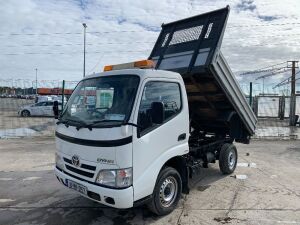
(132, 124)
(123, 123)
(81, 123)
(101, 121)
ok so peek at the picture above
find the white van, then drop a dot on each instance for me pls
(43, 98)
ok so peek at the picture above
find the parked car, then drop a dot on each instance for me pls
(38, 109)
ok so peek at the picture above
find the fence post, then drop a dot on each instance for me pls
(281, 107)
(255, 105)
(63, 96)
(293, 110)
(250, 94)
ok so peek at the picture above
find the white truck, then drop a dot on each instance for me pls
(136, 133)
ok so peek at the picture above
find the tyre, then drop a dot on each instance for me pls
(25, 113)
(167, 192)
(228, 158)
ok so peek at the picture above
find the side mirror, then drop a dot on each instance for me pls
(157, 112)
(55, 109)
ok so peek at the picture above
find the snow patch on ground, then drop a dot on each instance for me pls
(18, 132)
(5, 179)
(31, 178)
(3, 200)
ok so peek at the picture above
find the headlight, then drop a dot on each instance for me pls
(58, 161)
(115, 178)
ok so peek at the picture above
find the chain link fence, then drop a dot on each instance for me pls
(18, 96)
(271, 106)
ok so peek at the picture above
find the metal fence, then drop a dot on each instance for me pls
(273, 113)
(274, 106)
(17, 94)
(272, 110)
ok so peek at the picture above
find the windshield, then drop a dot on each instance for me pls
(102, 100)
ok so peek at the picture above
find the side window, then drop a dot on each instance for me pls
(40, 104)
(49, 103)
(156, 91)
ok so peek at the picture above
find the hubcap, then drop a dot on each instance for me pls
(168, 191)
(25, 113)
(231, 159)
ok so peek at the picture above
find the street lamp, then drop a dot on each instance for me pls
(36, 90)
(84, 36)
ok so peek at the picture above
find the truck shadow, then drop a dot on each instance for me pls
(101, 214)
(205, 177)
(79, 210)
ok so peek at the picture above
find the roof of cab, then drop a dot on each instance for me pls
(143, 73)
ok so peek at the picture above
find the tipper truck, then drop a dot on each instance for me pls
(138, 132)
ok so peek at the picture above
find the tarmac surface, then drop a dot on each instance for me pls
(267, 191)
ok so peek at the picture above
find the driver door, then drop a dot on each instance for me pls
(155, 143)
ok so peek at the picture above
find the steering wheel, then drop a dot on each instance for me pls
(97, 110)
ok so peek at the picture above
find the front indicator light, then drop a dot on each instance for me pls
(124, 178)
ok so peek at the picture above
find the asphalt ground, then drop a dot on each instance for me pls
(270, 194)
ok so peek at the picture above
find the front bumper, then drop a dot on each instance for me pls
(122, 198)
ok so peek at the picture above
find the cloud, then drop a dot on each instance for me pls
(246, 5)
(48, 35)
(268, 18)
(250, 6)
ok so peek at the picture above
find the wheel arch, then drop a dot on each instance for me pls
(179, 163)
(144, 184)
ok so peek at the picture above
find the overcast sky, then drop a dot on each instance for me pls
(48, 35)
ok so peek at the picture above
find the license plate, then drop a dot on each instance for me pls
(77, 187)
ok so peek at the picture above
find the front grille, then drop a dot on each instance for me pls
(78, 170)
(84, 166)
(81, 172)
(88, 167)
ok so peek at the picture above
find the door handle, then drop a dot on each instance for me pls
(182, 137)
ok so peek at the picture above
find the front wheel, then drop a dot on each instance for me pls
(167, 192)
(228, 158)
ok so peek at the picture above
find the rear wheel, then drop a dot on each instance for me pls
(25, 113)
(228, 158)
(167, 192)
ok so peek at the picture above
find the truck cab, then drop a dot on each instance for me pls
(116, 149)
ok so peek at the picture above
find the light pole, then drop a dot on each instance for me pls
(36, 91)
(84, 36)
